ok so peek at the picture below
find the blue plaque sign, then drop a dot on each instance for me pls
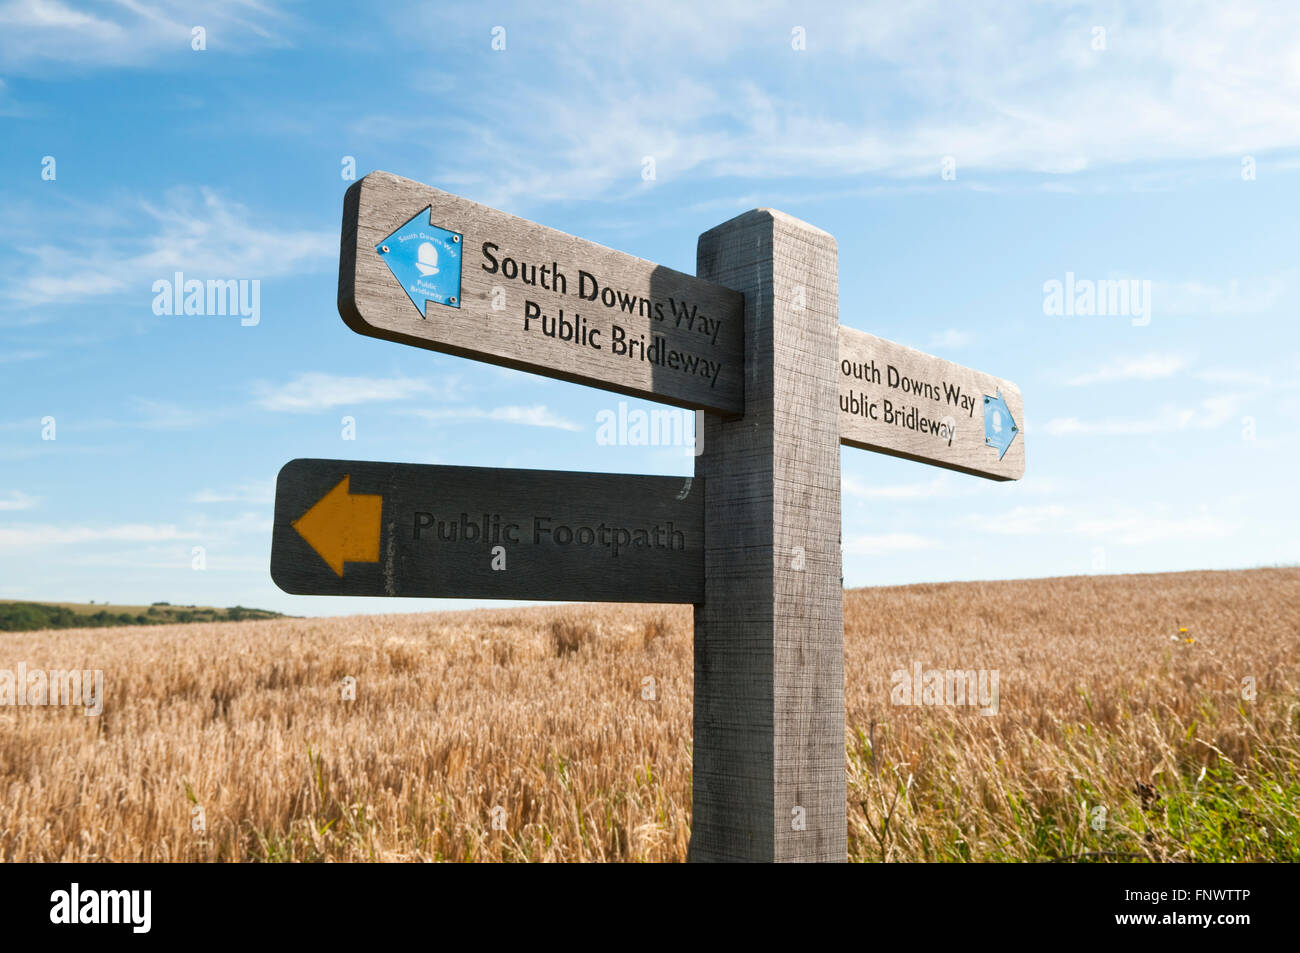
(425, 259)
(999, 426)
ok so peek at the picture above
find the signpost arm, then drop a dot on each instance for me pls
(769, 775)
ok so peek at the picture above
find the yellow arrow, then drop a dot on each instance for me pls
(342, 527)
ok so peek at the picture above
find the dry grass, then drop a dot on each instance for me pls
(543, 713)
(1104, 703)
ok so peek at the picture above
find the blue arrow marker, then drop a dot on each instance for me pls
(999, 426)
(425, 259)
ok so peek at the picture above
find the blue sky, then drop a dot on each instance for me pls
(1164, 149)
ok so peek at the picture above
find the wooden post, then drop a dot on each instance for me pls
(754, 338)
(769, 762)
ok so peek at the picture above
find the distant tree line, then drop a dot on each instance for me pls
(32, 616)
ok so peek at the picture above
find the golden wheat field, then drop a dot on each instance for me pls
(1118, 736)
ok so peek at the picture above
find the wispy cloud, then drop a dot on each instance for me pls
(7, 105)
(1183, 77)
(1234, 298)
(244, 493)
(316, 391)
(887, 543)
(203, 530)
(142, 413)
(537, 415)
(1207, 414)
(1137, 528)
(951, 339)
(198, 232)
(1149, 368)
(232, 527)
(18, 500)
(35, 34)
(1020, 520)
(36, 535)
(165, 415)
(939, 486)
(1244, 378)
(164, 557)
(1124, 525)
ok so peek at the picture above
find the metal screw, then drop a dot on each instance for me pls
(452, 299)
(455, 239)
(384, 249)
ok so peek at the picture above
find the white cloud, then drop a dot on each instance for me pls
(229, 528)
(1135, 529)
(1234, 298)
(1211, 412)
(1019, 90)
(53, 15)
(951, 339)
(1243, 378)
(201, 531)
(18, 500)
(886, 543)
(12, 357)
(164, 415)
(36, 535)
(244, 493)
(536, 416)
(939, 486)
(35, 35)
(315, 391)
(199, 233)
(1124, 525)
(1149, 368)
(8, 107)
(149, 415)
(1020, 520)
(164, 557)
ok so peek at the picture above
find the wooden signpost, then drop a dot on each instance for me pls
(347, 528)
(424, 267)
(752, 540)
(908, 404)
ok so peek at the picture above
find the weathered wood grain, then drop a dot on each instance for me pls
(895, 400)
(697, 364)
(769, 682)
(539, 565)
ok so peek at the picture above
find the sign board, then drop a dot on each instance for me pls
(913, 405)
(347, 528)
(426, 268)
(422, 267)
